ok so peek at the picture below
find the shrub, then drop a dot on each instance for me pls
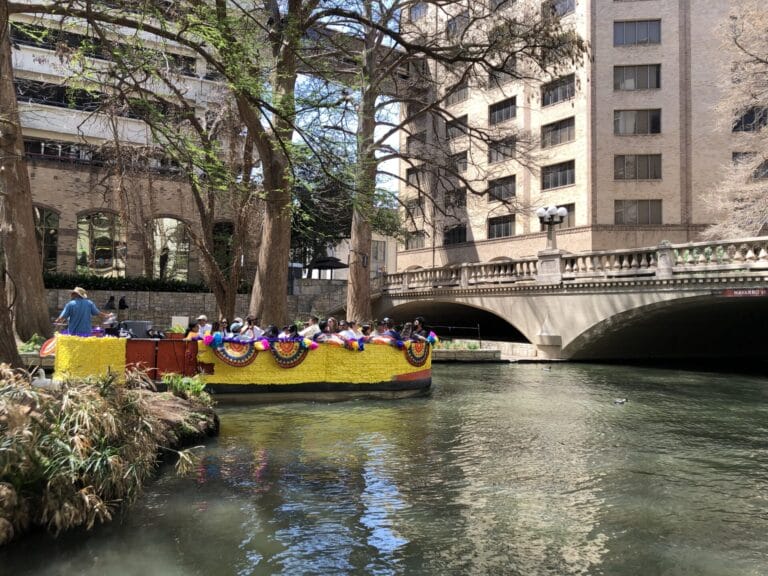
(185, 386)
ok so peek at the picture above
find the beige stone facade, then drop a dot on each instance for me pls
(647, 143)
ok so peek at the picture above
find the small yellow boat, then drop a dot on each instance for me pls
(272, 370)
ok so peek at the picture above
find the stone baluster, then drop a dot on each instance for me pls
(666, 260)
(464, 276)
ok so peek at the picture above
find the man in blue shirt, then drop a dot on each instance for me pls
(78, 312)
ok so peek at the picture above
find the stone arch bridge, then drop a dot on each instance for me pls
(696, 300)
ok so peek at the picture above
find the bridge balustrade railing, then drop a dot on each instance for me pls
(610, 264)
(663, 262)
(720, 256)
(462, 275)
(669, 260)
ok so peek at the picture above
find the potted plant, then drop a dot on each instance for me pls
(175, 332)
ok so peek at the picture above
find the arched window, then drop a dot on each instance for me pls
(222, 244)
(170, 251)
(47, 232)
(101, 246)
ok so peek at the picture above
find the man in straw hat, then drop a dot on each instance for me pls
(78, 311)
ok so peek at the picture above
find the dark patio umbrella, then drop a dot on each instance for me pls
(326, 263)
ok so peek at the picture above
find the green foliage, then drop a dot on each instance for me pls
(69, 456)
(185, 386)
(33, 344)
(137, 283)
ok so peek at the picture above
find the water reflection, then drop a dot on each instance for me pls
(504, 470)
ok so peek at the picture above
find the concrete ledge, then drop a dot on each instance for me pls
(440, 355)
(33, 360)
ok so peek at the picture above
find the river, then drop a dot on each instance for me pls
(505, 469)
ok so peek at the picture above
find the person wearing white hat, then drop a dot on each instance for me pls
(202, 322)
(78, 312)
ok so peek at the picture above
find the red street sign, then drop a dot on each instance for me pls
(744, 292)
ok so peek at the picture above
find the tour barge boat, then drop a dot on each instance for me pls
(263, 370)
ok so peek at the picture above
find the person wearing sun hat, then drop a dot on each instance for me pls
(78, 311)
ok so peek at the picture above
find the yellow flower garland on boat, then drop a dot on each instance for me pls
(82, 357)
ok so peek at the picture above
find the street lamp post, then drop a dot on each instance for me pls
(550, 216)
(550, 259)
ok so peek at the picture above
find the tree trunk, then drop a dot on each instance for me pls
(268, 297)
(8, 351)
(359, 280)
(24, 264)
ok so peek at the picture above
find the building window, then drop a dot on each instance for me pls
(637, 167)
(501, 226)
(457, 93)
(170, 258)
(563, 174)
(379, 251)
(568, 222)
(558, 90)
(414, 207)
(47, 232)
(418, 11)
(413, 176)
(456, 198)
(752, 120)
(415, 143)
(628, 122)
(633, 32)
(558, 132)
(499, 78)
(502, 189)
(456, 26)
(637, 212)
(101, 247)
(502, 111)
(749, 158)
(501, 150)
(455, 235)
(643, 77)
(456, 127)
(414, 240)
(558, 7)
(458, 162)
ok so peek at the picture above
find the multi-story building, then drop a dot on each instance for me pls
(80, 210)
(629, 142)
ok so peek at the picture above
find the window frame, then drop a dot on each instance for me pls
(493, 223)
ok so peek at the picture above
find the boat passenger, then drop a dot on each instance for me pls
(78, 311)
(289, 333)
(390, 329)
(348, 330)
(366, 330)
(235, 328)
(420, 330)
(192, 332)
(379, 329)
(407, 331)
(333, 325)
(322, 333)
(311, 328)
(271, 332)
(252, 330)
(202, 322)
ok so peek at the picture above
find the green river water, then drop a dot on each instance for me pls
(503, 469)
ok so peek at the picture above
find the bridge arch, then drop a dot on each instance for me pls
(698, 327)
(456, 319)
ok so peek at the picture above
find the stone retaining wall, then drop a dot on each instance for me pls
(310, 296)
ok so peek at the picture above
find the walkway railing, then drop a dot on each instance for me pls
(463, 275)
(727, 257)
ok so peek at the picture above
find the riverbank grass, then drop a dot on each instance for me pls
(72, 455)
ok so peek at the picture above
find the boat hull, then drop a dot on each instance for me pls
(281, 370)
